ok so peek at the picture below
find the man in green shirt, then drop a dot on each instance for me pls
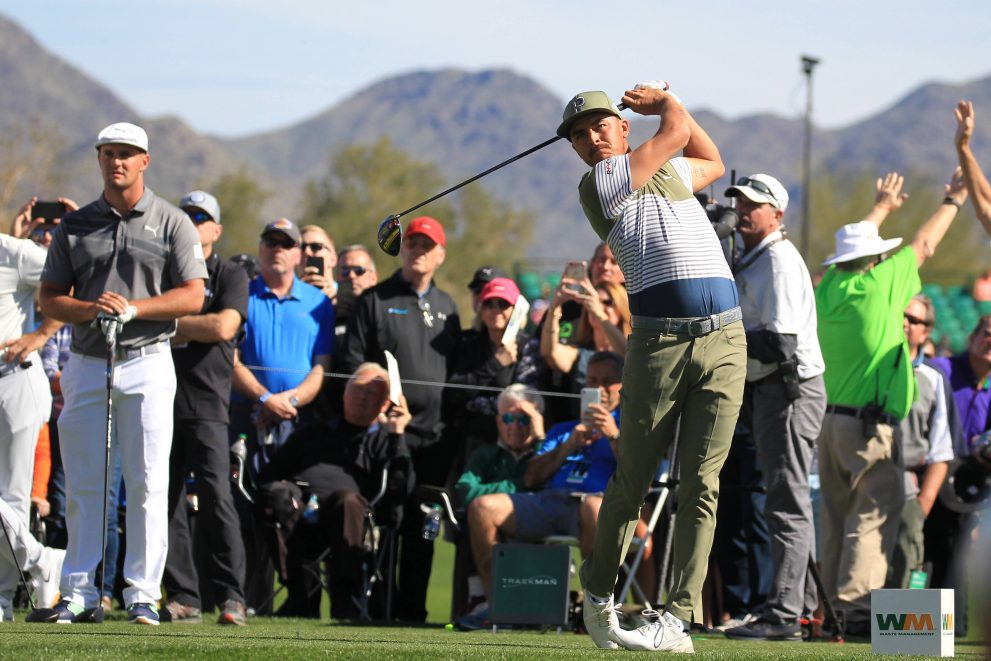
(870, 387)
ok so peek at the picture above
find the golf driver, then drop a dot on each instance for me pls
(390, 233)
(10, 545)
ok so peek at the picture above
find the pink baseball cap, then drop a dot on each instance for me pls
(503, 288)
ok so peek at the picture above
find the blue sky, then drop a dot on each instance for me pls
(233, 67)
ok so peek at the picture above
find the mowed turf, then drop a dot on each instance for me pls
(272, 639)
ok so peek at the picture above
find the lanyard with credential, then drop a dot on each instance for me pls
(742, 266)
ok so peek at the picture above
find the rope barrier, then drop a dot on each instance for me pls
(414, 382)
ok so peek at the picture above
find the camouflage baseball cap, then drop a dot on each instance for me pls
(584, 103)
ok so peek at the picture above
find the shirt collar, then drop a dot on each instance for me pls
(770, 238)
(104, 208)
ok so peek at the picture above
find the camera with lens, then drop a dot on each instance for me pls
(724, 219)
(967, 487)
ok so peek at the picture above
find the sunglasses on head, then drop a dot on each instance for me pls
(314, 246)
(200, 217)
(428, 315)
(272, 242)
(758, 186)
(518, 418)
(357, 270)
(496, 303)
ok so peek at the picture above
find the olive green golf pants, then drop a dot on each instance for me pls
(667, 377)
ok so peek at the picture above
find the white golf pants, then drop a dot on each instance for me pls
(143, 394)
(25, 404)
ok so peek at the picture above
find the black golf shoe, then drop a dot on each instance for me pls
(66, 612)
(763, 630)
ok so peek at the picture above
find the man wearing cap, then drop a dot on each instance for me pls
(203, 352)
(417, 323)
(870, 387)
(686, 357)
(279, 367)
(786, 399)
(133, 262)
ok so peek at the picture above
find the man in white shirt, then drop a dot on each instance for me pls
(787, 397)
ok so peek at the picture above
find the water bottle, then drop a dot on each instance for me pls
(312, 509)
(431, 522)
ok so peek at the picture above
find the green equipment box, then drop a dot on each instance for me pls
(530, 584)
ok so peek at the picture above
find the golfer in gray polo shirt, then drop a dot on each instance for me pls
(135, 256)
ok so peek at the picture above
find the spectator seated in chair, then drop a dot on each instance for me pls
(575, 460)
(340, 463)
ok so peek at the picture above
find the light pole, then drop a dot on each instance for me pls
(808, 64)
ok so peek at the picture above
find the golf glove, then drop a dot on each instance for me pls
(111, 324)
(657, 84)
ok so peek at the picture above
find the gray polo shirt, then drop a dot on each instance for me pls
(153, 249)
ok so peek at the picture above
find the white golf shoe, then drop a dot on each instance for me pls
(601, 620)
(47, 576)
(664, 633)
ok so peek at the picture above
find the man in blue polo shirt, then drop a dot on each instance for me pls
(279, 370)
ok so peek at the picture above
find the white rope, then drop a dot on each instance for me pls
(415, 382)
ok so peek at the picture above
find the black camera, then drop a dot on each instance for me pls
(723, 219)
(967, 487)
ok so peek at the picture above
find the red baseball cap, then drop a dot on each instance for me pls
(503, 288)
(428, 227)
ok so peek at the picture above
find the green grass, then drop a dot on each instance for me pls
(306, 639)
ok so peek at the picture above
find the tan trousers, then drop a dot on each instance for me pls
(666, 377)
(863, 491)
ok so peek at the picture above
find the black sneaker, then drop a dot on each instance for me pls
(764, 630)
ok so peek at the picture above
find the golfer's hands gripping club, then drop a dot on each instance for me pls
(110, 324)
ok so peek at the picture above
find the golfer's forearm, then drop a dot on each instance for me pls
(63, 307)
(186, 299)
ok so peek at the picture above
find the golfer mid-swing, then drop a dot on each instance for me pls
(133, 258)
(686, 357)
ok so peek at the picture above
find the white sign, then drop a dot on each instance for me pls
(517, 320)
(395, 385)
(917, 622)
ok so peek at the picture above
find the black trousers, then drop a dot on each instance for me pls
(201, 446)
(431, 465)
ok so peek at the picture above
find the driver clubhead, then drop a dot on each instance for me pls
(390, 235)
(91, 615)
(50, 615)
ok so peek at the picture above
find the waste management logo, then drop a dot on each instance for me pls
(912, 624)
(527, 581)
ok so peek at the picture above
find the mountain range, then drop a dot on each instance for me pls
(464, 122)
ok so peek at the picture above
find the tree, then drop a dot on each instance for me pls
(365, 183)
(241, 199)
(30, 164)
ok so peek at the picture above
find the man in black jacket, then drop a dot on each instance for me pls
(318, 484)
(417, 323)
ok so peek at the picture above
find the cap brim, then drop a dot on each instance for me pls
(282, 232)
(886, 245)
(751, 194)
(564, 130)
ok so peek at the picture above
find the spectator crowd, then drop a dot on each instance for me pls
(269, 418)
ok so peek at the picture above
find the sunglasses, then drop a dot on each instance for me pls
(428, 317)
(608, 302)
(758, 186)
(357, 270)
(519, 418)
(915, 321)
(200, 217)
(496, 303)
(315, 246)
(287, 244)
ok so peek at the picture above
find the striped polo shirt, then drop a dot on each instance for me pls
(662, 239)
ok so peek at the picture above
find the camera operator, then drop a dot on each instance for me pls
(786, 396)
(870, 387)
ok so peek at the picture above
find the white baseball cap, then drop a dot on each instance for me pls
(123, 133)
(202, 200)
(859, 240)
(760, 188)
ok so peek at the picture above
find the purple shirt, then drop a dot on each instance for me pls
(972, 398)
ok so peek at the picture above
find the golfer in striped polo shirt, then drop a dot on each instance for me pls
(686, 357)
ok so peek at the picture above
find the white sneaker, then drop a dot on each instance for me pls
(735, 622)
(6, 611)
(601, 620)
(47, 576)
(664, 634)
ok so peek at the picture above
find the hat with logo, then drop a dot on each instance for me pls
(123, 133)
(858, 240)
(428, 227)
(503, 288)
(760, 188)
(202, 201)
(583, 104)
(483, 276)
(283, 226)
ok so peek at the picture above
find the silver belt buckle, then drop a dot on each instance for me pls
(716, 321)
